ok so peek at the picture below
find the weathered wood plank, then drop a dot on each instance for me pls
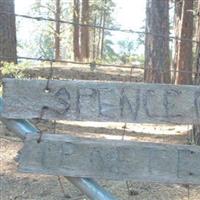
(102, 101)
(108, 159)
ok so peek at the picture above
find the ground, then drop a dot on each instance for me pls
(17, 186)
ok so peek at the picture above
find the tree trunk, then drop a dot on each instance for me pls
(184, 50)
(196, 128)
(85, 47)
(103, 30)
(8, 43)
(100, 34)
(177, 26)
(57, 31)
(76, 33)
(157, 62)
(94, 41)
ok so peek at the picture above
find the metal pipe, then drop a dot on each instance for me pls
(89, 187)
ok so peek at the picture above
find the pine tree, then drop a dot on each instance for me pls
(8, 49)
(8, 43)
(57, 30)
(196, 128)
(85, 39)
(184, 47)
(157, 64)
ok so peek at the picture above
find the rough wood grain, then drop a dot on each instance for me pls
(102, 101)
(108, 159)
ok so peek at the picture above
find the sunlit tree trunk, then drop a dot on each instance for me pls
(196, 128)
(157, 62)
(184, 48)
(177, 26)
(103, 29)
(100, 33)
(94, 52)
(85, 39)
(57, 31)
(76, 33)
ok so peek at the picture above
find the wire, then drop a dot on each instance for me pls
(67, 61)
(98, 64)
(40, 18)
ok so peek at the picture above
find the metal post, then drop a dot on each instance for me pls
(89, 187)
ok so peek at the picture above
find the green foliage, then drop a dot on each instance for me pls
(139, 58)
(11, 70)
(44, 39)
(110, 55)
(98, 7)
(101, 10)
(127, 51)
(46, 45)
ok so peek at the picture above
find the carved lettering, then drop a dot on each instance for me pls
(158, 160)
(96, 159)
(63, 97)
(147, 98)
(49, 160)
(106, 103)
(188, 164)
(86, 101)
(102, 101)
(170, 102)
(134, 107)
(165, 104)
(67, 149)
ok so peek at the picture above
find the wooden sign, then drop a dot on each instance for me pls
(101, 101)
(108, 159)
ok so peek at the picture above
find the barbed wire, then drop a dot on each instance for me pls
(131, 67)
(40, 18)
(68, 61)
